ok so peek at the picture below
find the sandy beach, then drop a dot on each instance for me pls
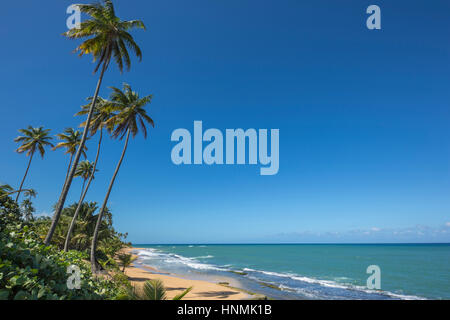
(202, 290)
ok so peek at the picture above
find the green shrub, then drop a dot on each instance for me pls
(31, 270)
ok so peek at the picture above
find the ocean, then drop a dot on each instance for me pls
(312, 271)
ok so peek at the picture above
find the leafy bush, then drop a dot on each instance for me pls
(31, 270)
(110, 241)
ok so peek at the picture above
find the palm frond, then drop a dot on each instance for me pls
(182, 294)
(33, 139)
(106, 35)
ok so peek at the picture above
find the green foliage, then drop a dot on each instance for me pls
(27, 210)
(126, 260)
(110, 241)
(70, 140)
(152, 290)
(9, 211)
(32, 271)
(131, 112)
(85, 169)
(107, 35)
(103, 111)
(33, 139)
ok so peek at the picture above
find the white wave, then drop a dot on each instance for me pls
(171, 258)
(300, 291)
(150, 252)
(248, 269)
(333, 284)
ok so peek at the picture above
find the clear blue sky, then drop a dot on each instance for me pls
(363, 117)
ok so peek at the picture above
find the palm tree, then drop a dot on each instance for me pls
(103, 111)
(85, 170)
(131, 112)
(33, 139)
(153, 290)
(126, 260)
(108, 37)
(70, 140)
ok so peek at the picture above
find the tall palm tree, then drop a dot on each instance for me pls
(108, 37)
(131, 112)
(33, 139)
(103, 111)
(86, 171)
(71, 139)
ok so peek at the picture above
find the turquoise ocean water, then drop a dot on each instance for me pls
(313, 271)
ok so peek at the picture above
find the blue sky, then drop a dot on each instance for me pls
(363, 117)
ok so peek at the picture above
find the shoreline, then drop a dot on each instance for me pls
(175, 284)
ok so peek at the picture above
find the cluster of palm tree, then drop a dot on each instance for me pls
(122, 115)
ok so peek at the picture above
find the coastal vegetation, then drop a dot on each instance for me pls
(125, 260)
(36, 251)
(153, 290)
(107, 38)
(131, 112)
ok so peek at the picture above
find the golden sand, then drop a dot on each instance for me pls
(201, 290)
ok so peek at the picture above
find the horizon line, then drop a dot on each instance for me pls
(288, 243)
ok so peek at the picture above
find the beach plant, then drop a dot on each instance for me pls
(71, 139)
(125, 260)
(32, 140)
(107, 37)
(153, 290)
(131, 115)
(85, 170)
(31, 270)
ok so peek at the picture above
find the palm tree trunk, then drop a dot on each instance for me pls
(68, 168)
(23, 180)
(105, 201)
(65, 191)
(83, 195)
